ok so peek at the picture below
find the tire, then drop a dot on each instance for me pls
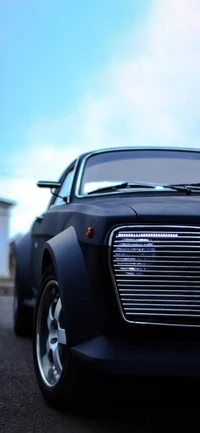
(58, 379)
(22, 315)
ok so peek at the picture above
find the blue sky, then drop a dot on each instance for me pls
(84, 74)
(50, 51)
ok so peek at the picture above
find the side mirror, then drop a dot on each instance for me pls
(52, 186)
(48, 184)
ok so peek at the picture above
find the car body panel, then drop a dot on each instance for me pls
(22, 250)
(166, 208)
(75, 288)
(139, 358)
(96, 332)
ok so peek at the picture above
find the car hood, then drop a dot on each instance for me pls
(166, 209)
(102, 214)
(106, 213)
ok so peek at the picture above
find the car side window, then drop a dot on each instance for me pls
(65, 188)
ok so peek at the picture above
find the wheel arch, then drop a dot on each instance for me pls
(79, 312)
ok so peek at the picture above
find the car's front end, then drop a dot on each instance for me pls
(143, 262)
(124, 271)
(146, 288)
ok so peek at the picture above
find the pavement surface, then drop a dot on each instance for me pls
(22, 408)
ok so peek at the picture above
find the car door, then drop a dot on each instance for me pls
(46, 226)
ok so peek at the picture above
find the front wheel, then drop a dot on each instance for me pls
(57, 378)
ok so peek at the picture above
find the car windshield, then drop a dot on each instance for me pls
(156, 166)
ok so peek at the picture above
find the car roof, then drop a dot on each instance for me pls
(144, 148)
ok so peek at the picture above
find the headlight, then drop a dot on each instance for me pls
(144, 252)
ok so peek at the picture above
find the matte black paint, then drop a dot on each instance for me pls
(75, 289)
(125, 356)
(91, 314)
(23, 260)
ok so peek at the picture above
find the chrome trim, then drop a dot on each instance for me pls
(140, 295)
(154, 304)
(141, 291)
(168, 315)
(115, 149)
(72, 180)
(154, 290)
(147, 285)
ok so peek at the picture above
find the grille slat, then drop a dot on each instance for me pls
(164, 314)
(151, 266)
(156, 271)
(170, 292)
(158, 285)
(172, 249)
(166, 308)
(161, 260)
(163, 245)
(160, 241)
(159, 304)
(139, 295)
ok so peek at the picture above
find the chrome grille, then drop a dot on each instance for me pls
(156, 273)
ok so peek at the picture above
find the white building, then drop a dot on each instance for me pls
(5, 206)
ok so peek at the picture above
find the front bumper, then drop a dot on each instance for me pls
(125, 356)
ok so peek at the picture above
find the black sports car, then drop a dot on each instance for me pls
(112, 270)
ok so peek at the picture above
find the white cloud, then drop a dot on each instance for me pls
(149, 94)
(150, 91)
(155, 95)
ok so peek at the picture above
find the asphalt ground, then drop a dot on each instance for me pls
(115, 407)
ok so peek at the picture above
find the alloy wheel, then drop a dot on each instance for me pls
(50, 335)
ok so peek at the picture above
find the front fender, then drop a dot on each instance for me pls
(75, 290)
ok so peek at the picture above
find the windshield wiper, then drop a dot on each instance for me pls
(124, 185)
(189, 185)
(109, 188)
